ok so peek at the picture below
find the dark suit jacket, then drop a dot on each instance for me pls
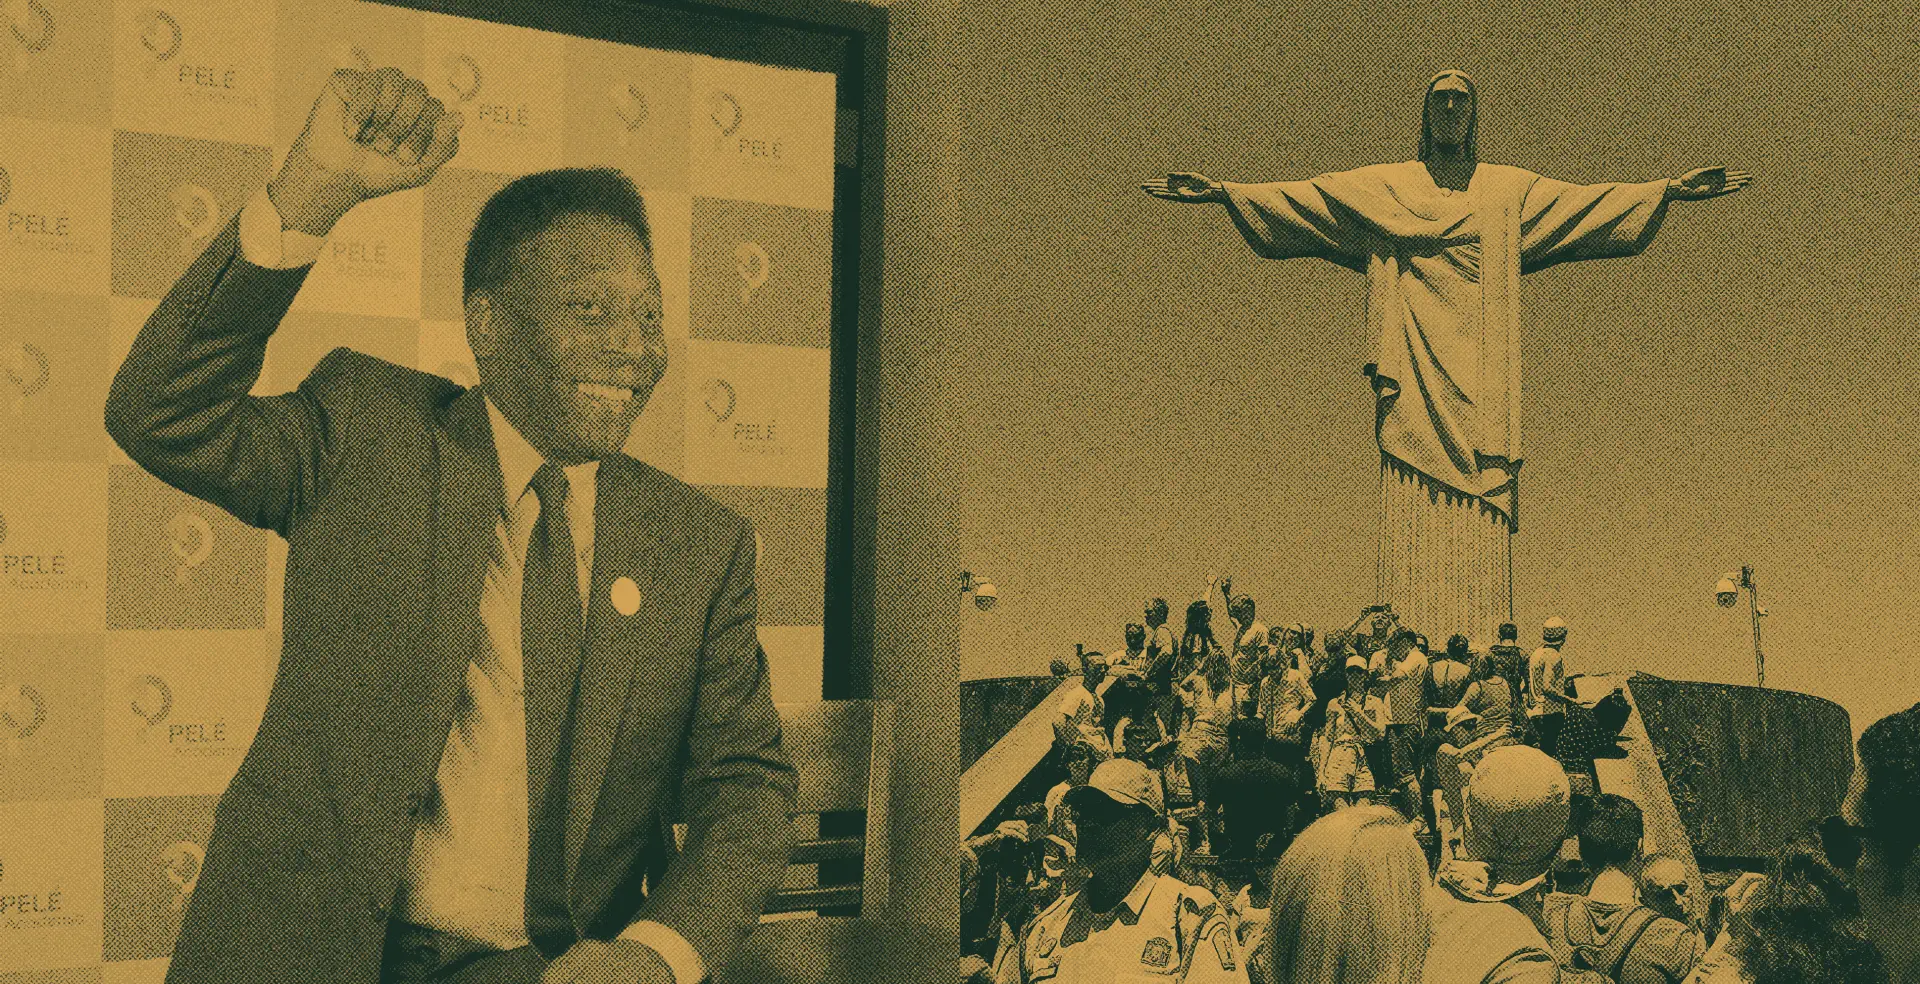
(385, 484)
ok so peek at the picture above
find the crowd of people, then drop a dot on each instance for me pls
(1264, 810)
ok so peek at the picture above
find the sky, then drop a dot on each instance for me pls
(1144, 401)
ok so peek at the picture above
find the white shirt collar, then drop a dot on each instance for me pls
(519, 460)
(1136, 900)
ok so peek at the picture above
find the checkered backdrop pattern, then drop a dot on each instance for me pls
(139, 627)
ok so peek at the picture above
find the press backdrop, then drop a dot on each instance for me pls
(139, 627)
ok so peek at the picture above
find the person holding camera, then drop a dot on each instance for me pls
(1207, 693)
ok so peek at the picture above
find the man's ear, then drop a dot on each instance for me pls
(483, 325)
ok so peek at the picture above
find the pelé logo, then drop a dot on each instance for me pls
(191, 539)
(724, 111)
(160, 34)
(27, 368)
(630, 106)
(463, 76)
(34, 35)
(24, 712)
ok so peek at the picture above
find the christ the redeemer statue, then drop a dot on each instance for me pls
(1443, 241)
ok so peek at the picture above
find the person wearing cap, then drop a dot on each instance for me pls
(1128, 921)
(1546, 686)
(1354, 719)
(1487, 914)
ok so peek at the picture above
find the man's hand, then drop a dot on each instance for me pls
(609, 962)
(1707, 182)
(1185, 186)
(369, 134)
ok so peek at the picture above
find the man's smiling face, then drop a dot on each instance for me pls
(570, 346)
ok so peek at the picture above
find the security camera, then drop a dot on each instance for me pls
(1726, 592)
(985, 595)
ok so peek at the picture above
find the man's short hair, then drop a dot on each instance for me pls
(1404, 637)
(1458, 648)
(526, 206)
(1509, 632)
(1890, 757)
(1612, 832)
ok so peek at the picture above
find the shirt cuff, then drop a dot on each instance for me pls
(266, 242)
(679, 955)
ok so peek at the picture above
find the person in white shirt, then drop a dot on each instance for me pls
(1355, 719)
(1546, 686)
(456, 772)
(1403, 670)
(1082, 709)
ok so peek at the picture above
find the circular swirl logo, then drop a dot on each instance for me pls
(42, 37)
(725, 112)
(27, 368)
(151, 699)
(191, 540)
(751, 262)
(182, 862)
(32, 712)
(197, 212)
(160, 34)
(721, 399)
(629, 103)
(463, 76)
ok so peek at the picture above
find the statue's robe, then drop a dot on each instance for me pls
(1443, 273)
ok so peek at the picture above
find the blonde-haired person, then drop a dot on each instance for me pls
(1349, 904)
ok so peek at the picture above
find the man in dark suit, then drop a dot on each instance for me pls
(514, 657)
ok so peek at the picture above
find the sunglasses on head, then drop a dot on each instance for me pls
(1843, 841)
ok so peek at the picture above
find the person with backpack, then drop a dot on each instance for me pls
(1603, 935)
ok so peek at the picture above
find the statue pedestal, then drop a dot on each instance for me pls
(1444, 558)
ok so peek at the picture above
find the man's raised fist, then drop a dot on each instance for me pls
(369, 134)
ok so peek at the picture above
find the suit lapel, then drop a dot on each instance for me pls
(630, 544)
(469, 494)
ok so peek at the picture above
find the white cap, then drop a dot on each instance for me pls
(1124, 781)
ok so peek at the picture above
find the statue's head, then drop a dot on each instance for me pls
(1450, 116)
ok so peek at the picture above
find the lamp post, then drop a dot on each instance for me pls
(985, 594)
(1727, 592)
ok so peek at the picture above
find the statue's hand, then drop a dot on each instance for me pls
(1183, 186)
(1708, 182)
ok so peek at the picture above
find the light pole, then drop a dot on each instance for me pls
(1726, 593)
(985, 594)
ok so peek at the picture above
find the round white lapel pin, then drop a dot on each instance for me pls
(625, 596)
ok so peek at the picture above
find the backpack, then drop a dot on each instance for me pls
(1589, 964)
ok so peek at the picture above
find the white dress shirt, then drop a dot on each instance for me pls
(467, 871)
